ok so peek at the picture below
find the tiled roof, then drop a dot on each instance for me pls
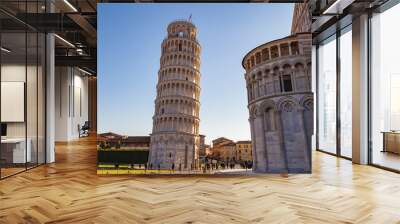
(244, 142)
(110, 136)
(137, 139)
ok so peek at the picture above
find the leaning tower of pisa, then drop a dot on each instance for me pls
(175, 136)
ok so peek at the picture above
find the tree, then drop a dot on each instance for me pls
(118, 145)
(102, 145)
(107, 145)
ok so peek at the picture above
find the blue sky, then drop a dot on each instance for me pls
(129, 49)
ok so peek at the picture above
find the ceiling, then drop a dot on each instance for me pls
(73, 21)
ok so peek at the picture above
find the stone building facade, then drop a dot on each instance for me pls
(202, 146)
(224, 150)
(227, 150)
(175, 136)
(280, 103)
(244, 151)
(302, 18)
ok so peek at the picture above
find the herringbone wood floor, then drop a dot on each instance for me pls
(69, 191)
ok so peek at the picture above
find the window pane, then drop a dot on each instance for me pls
(31, 97)
(13, 87)
(41, 98)
(287, 83)
(385, 88)
(346, 93)
(327, 95)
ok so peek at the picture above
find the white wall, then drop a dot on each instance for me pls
(34, 124)
(12, 100)
(17, 73)
(81, 108)
(12, 73)
(71, 93)
(62, 82)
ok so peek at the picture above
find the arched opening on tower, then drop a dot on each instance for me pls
(286, 83)
(186, 156)
(269, 119)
